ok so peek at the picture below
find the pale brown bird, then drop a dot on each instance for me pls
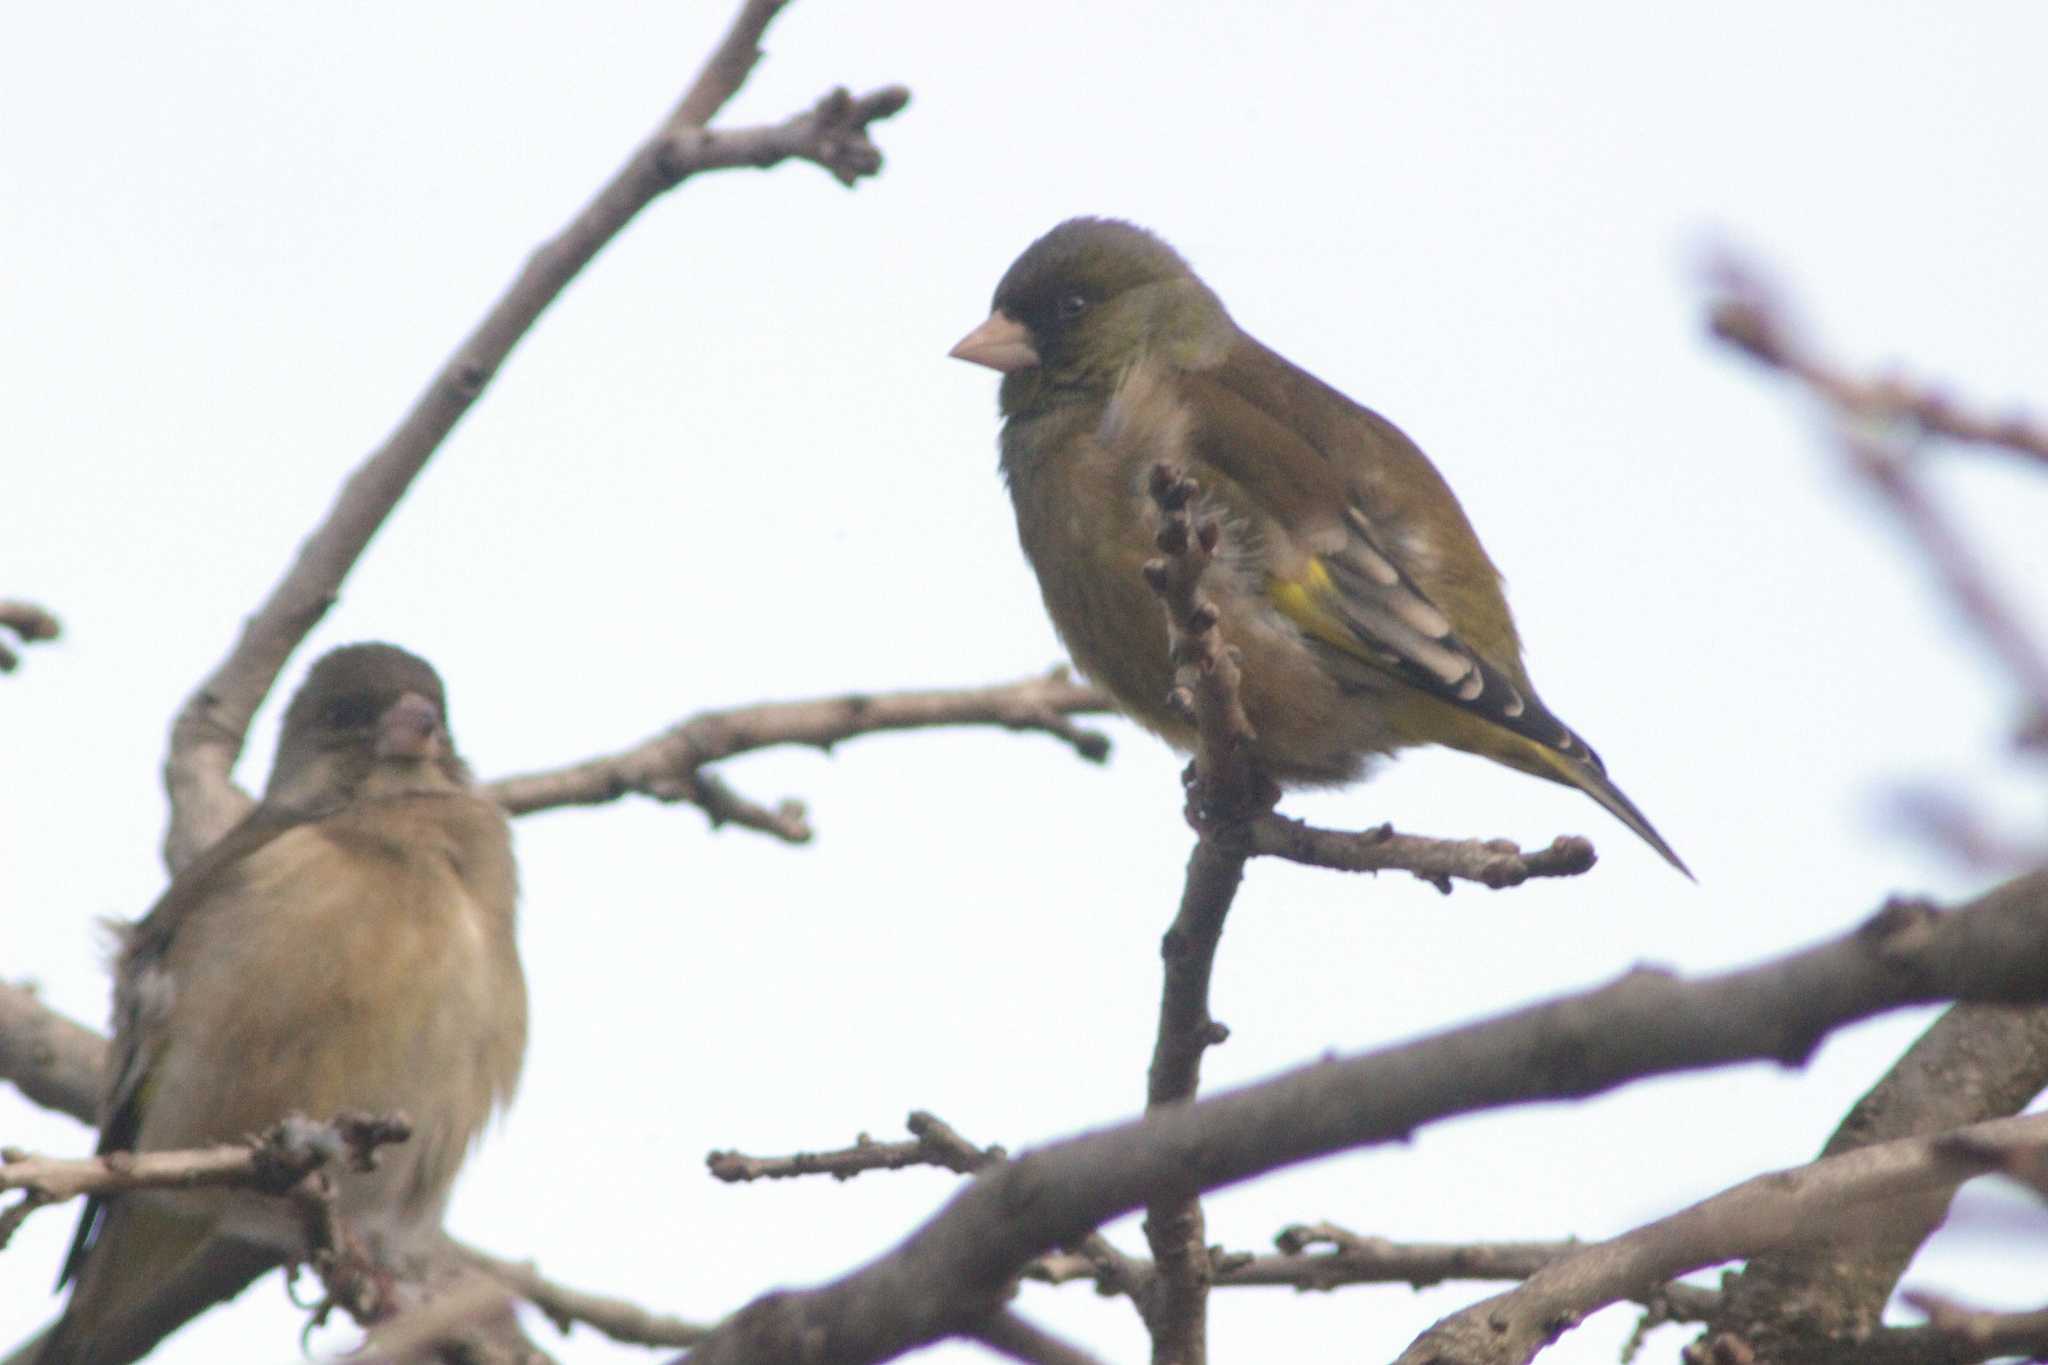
(348, 946)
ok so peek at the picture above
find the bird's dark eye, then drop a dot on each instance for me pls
(1070, 306)
(350, 713)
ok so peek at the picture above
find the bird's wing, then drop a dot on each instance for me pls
(1299, 451)
(143, 992)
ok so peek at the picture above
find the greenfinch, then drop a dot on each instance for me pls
(347, 947)
(1368, 617)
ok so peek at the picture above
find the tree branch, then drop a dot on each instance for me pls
(1012, 1336)
(954, 1270)
(30, 624)
(669, 766)
(1834, 1198)
(1751, 317)
(211, 727)
(565, 1307)
(1976, 1062)
(52, 1060)
(1495, 863)
(935, 1143)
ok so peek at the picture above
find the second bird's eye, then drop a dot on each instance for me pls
(351, 713)
(1070, 306)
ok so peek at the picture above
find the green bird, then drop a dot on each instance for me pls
(1368, 615)
(348, 946)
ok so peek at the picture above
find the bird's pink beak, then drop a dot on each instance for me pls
(1002, 343)
(410, 728)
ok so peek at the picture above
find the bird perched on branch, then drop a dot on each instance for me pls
(1368, 616)
(347, 947)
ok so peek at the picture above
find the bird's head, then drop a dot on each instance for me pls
(1087, 301)
(370, 720)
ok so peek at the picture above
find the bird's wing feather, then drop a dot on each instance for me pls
(142, 998)
(1291, 445)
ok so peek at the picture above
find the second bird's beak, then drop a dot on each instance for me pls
(1002, 343)
(411, 728)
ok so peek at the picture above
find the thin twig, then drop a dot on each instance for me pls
(670, 766)
(1495, 863)
(29, 623)
(616, 1318)
(1879, 423)
(934, 1144)
(209, 731)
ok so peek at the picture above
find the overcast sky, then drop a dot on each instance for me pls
(733, 463)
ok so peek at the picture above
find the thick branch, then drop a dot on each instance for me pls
(669, 766)
(1976, 1062)
(1832, 1199)
(955, 1269)
(52, 1060)
(1010, 1335)
(209, 731)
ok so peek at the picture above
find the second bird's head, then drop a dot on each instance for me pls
(370, 720)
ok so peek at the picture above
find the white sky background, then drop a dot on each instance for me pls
(733, 463)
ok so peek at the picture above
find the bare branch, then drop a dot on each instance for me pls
(1012, 1336)
(935, 1144)
(52, 1060)
(956, 1268)
(1834, 1198)
(423, 1332)
(209, 731)
(669, 766)
(1226, 791)
(30, 623)
(1350, 1259)
(1985, 1330)
(1750, 316)
(565, 1307)
(1495, 863)
(273, 1162)
(728, 66)
(1976, 1062)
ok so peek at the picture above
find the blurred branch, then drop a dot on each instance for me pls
(669, 766)
(1832, 1201)
(1010, 1335)
(1350, 1259)
(565, 1307)
(53, 1061)
(1879, 422)
(1751, 316)
(30, 624)
(1986, 1330)
(210, 728)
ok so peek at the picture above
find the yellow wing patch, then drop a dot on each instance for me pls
(1306, 602)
